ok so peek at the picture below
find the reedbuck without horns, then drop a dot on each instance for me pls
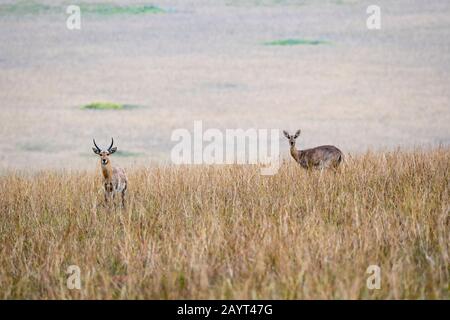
(114, 178)
(319, 157)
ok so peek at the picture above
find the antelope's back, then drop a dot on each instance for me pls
(328, 154)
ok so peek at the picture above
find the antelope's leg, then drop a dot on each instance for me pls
(123, 195)
(123, 198)
(113, 198)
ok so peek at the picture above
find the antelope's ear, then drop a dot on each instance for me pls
(286, 134)
(297, 134)
(96, 151)
(112, 150)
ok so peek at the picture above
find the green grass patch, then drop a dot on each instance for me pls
(127, 154)
(112, 9)
(295, 42)
(119, 153)
(103, 106)
(30, 7)
(24, 8)
(35, 147)
(108, 106)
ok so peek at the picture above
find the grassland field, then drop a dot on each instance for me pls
(201, 232)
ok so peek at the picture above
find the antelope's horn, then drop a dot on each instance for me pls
(112, 142)
(96, 145)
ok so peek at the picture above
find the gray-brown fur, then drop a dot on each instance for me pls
(319, 157)
(114, 178)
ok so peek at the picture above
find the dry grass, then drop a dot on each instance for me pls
(228, 232)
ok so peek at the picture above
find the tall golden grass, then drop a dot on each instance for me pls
(228, 232)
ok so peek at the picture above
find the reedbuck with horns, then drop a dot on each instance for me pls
(319, 157)
(114, 178)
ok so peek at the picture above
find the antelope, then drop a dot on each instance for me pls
(319, 157)
(114, 178)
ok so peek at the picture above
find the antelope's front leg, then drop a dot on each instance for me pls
(108, 198)
(108, 193)
(123, 198)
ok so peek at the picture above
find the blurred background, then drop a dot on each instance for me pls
(161, 65)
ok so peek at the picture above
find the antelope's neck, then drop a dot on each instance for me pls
(107, 171)
(295, 153)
